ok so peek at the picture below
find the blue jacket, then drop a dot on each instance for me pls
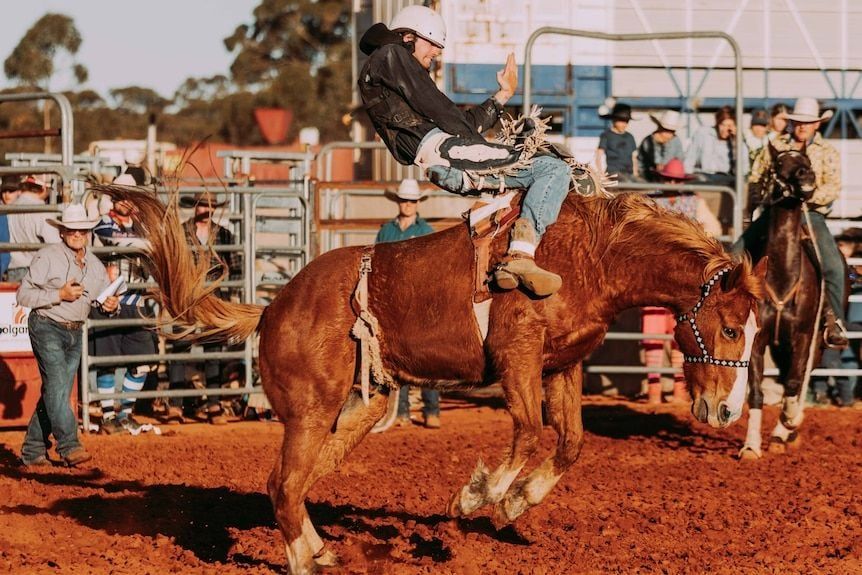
(391, 231)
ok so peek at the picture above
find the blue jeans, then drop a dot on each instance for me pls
(831, 260)
(845, 387)
(547, 182)
(58, 355)
(430, 402)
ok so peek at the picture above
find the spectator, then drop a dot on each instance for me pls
(30, 228)
(421, 126)
(844, 387)
(10, 189)
(60, 287)
(657, 149)
(778, 120)
(826, 164)
(118, 228)
(617, 151)
(711, 155)
(658, 319)
(757, 135)
(408, 224)
(203, 232)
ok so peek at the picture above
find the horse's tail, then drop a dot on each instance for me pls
(181, 274)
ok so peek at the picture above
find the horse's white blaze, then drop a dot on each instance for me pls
(736, 398)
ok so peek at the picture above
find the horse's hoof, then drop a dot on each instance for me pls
(794, 441)
(749, 454)
(777, 446)
(453, 510)
(327, 559)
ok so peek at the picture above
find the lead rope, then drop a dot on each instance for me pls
(365, 329)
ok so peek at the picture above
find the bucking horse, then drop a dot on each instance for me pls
(613, 253)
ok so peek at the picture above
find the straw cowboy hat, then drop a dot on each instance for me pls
(674, 170)
(669, 120)
(808, 110)
(74, 217)
(204, 199)
(408, 190)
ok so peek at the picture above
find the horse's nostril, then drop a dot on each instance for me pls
(723, 413)
(700, 410)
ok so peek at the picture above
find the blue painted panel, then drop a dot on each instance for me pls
(482, 78)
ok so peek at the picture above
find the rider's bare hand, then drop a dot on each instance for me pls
(71, 290)
(507, 78)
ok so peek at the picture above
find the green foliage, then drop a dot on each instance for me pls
(139, 100)
(32, 60)
(297, 54)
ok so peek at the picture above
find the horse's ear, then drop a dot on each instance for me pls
(732, 280)
(772, 151)
(759, 270)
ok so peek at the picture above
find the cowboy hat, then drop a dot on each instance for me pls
(674, 170)
(808, 110)
(125, 180)
(408, 191)
(669, 120)
(11, 183)
(204, 199)
(619, 112)
(74, 217)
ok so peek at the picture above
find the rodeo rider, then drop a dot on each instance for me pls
(826, 163)
(421, 126)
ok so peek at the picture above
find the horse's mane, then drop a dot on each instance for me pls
(642, 228)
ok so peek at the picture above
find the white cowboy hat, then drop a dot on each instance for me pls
(125, 180)
(74, 217)
(808, 110)
(668, 120)
(408, 190)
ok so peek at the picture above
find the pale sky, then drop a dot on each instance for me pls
(150, 43)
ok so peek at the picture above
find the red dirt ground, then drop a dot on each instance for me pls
(653, 492)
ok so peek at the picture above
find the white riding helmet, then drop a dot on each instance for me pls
(424, 21)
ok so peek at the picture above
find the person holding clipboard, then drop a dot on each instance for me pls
(62, 284)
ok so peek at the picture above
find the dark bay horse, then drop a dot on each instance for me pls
(613, 253)
(790, 315)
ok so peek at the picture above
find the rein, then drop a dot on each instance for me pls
(691, 318)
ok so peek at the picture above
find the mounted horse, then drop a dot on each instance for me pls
(613, 254)
(790, 315)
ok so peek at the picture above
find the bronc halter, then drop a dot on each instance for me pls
(691, 318)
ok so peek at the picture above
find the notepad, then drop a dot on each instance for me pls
(116, 287)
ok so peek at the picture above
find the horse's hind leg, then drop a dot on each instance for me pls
(563, 404)
(520, 368)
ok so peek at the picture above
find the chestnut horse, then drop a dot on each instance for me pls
(613, 254)
(789, 316)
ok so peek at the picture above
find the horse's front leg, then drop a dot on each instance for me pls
(753, 446)
(520, 365)
(786, 431)
(563, 406)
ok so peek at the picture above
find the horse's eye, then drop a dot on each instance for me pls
(730, 333)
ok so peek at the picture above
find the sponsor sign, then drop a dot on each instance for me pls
(14, 334)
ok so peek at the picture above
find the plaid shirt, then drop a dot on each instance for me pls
(825, 161)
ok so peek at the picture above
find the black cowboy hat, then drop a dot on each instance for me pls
(850, 235)
(619, 112)
(200, 199)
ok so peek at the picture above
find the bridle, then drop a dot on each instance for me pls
(786, 189)
(691, 318)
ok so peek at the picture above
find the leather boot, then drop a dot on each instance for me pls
(835, 336)
(519, 267)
